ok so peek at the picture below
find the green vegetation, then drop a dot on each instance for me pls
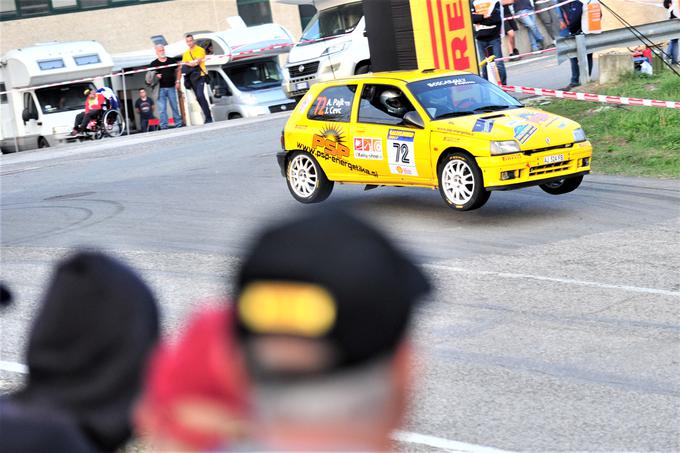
(627, 140)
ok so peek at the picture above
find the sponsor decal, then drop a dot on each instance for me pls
(369, 148)
(401, 152)
(332, 140)
(562, 125)
(512, 156)
(454, 131)
(482, 125)
(321, 154)
(536, 117)
(456, 82)
(331, 106)
(524, 132)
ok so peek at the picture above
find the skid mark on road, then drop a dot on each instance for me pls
(565, 281)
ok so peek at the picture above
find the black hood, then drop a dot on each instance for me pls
(89, 346)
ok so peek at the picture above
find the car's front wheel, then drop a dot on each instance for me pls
(306, 180)
(562, 186)
(460, 182)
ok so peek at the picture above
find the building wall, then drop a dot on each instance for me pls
(130, 27)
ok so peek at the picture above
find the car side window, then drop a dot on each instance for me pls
(218, 82)
(383, 104)
(333, 104)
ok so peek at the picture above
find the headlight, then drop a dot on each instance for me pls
(579, 135)
(506, 147)
(336, 48)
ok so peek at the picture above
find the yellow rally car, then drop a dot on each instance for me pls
(448, 130)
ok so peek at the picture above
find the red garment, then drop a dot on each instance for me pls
(204, 364)
(96, 104)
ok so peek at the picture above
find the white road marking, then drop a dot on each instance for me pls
(444, 444)
(13, 367)
(567, 281)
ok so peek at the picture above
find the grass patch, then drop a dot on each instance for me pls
(627, 140)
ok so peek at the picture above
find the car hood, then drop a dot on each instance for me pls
(531, 128)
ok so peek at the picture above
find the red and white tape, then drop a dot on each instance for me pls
(591, 97)
(537, 52)
(548, 8)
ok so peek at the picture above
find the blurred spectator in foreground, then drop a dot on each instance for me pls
(324, 305)
(525, 9)
(87, 351)
(488, 20)
(5, 295)
(196, 391)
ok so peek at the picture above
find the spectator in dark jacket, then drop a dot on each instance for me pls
(87, 352)
(571, 26)
(672, 49)
(488, 26)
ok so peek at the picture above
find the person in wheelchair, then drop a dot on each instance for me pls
(94, 104)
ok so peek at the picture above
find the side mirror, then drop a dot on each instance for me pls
(413, 119)
(27, 115)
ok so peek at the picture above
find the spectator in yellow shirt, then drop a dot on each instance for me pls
(195, 71)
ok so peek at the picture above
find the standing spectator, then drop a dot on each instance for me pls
(169, 79)
(571, 26)
(87, 352)
(325, 341)
(488, 23)
(525, 9)
(144, 106)
(550, 18)
(672, 49)
(510, 27)
(94, 102)
(196, 73)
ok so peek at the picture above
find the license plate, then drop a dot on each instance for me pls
(301, 86)
(553, 159)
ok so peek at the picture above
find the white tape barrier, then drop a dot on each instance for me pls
(517, 16)
(537, 52)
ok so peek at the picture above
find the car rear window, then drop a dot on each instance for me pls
(333, 104)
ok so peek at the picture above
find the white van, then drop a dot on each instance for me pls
(246, 78)
(34, 114)
(333, 45)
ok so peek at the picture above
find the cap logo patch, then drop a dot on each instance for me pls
(287, 308)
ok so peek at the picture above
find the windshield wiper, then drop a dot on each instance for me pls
(454, 114)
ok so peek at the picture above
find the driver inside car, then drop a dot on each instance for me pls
(94, 103)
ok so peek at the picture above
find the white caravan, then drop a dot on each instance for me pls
(333, 45)
(33, 115)
(243, 66)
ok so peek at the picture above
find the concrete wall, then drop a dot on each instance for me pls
(129, 28)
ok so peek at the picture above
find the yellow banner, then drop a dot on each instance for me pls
(443, 34)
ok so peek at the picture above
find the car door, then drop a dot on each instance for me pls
(399, 153)
(327, 133)
(220, 95)
(31, 121)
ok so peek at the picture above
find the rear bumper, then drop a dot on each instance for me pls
(281, 160)
(513, 171)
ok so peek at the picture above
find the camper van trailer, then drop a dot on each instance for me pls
(34, 113)
(243, 67)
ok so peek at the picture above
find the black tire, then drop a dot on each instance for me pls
(562, 186)
(363, 69)
(235, 116)
(305, 178)
(42, 142)
(461, 184)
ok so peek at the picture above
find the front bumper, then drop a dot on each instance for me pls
(281, 159)
(513, 171)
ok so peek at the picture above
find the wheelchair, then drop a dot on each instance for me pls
(109, 124)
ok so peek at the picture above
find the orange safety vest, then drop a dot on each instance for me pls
(591, 20)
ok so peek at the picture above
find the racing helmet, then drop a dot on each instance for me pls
(393, 102)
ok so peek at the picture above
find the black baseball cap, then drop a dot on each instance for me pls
(329, 277)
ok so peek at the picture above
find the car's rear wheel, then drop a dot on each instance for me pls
(306, 180)
(562, 186)
(460, 182)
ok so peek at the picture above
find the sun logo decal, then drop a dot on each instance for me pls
(333, 133)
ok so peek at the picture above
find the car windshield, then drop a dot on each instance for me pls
(63, 98)
(254, 76)
(333, 22)
(459, 95)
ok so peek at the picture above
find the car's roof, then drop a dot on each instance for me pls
(404, 76)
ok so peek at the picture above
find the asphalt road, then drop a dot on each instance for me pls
(555, 324)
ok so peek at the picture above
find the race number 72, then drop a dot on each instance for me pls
(401, 151)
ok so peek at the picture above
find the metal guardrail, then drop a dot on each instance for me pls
(580, 45)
